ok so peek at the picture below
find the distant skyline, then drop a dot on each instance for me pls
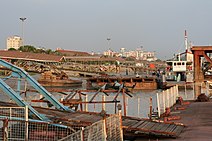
(86, 25)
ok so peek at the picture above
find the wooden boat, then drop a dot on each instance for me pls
(49, 78)
(139, 82)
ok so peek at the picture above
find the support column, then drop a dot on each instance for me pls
(198, 76)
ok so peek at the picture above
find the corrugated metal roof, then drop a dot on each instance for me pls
(30, 56)
(73, 53)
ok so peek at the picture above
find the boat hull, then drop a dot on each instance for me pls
(140, 83)
(60, 83)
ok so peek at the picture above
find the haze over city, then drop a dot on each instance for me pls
(85, 25)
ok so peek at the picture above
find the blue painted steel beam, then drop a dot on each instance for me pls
(19, 101)
(35, 84)
(34, 120)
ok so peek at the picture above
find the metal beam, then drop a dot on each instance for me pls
(19, 101)
(35, 84)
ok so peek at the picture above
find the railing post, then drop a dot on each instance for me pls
(173, 102)
(82, 134)
(193, 91)
(164, 102)
(138, 106)
(104, 129)
(158, 104)
(171, 97)
(103, 104)
(167, 98)
(103, 123)
(86, 105)
(120, 121)
(124, 102)
(177, 91)
(5, 129)
(150, 108)
(186, 91)
(207, 88)
(26, 124)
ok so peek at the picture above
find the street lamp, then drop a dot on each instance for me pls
(108, 39)
(22, 19)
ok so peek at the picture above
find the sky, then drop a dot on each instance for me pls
(85, 25)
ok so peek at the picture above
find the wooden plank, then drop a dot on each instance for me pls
(165, 126)
(148, 126)
(151, 125)
(125, 121)
(143, 125)
(130, 122)
(178, 130)
(170, 128)
(137, 124)
(157, 127)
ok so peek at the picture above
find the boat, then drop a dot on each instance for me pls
(61, 79)
(180, 67)
(138, 83)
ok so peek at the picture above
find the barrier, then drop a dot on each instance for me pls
(166, 99)
(108, 129)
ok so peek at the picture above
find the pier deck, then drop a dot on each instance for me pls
(131, 126)
(197, 119)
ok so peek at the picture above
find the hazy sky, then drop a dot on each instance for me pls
(85, 25)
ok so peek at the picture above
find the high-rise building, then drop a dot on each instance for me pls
(14, 42)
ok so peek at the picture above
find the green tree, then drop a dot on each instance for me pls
(10, 49)
(49, 51)
(27, 48)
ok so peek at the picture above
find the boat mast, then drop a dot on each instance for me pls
(186, 41)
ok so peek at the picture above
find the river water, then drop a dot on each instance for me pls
(136, 106)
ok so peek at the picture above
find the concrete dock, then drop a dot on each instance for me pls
(198, 120)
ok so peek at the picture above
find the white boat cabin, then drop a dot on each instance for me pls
(178, 66)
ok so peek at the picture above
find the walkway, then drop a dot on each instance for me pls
(198, 118)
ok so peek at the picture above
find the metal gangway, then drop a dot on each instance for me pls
(15, 95)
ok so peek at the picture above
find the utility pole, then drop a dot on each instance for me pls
(22, 30)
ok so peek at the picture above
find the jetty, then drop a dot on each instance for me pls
(60, 114)
(65, 118)
(132, 127)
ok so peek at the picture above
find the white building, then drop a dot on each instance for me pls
(109, 53)
(14, 42)
(139, 54)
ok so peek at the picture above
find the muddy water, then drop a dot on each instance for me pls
(136, 106)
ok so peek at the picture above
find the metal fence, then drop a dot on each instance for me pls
(108, 129)
(14, 125)
(12, 130)
(14, 112)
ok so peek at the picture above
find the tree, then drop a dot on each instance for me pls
(11, 49)
(49, 51)
(27, 48)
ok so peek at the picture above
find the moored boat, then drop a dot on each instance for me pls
(145, 83)
(49, 78)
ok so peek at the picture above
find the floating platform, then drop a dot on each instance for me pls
(139, 82)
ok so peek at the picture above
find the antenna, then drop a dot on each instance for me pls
(186, 41)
